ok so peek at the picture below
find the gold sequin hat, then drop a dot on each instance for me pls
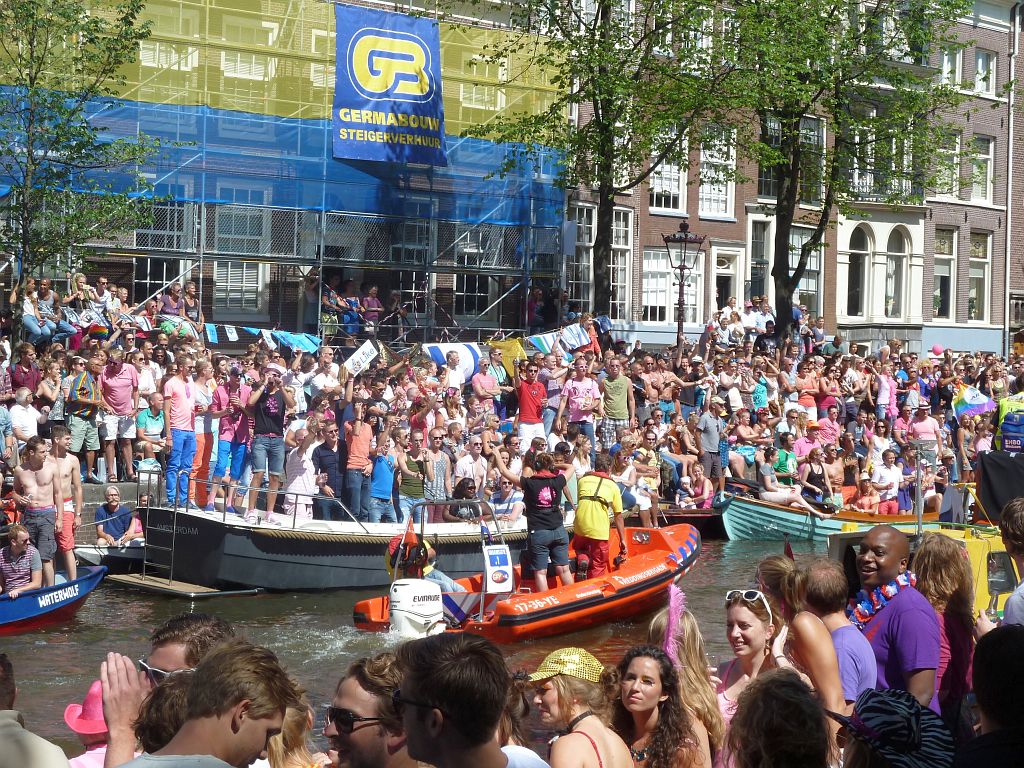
(574, 662)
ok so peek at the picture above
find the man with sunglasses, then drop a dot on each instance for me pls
(362, 726)
(177, 645)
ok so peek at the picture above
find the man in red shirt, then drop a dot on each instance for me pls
(532, 398)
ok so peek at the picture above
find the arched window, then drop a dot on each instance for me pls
(895, 264)
(860, 247)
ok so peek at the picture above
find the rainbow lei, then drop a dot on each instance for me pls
(866, 605)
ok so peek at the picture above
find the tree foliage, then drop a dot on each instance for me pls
(59, 61)
(617, 63)
(869, 71)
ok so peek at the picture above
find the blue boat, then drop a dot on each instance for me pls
(48, 605)
(749, 519)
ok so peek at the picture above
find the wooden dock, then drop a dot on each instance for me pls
(174, 588)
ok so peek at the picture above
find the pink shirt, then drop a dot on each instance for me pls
(93, 757)
(828, 431)
(234, 427)
(578, 392)
(180, 396)
(928, 429)
(118, 388)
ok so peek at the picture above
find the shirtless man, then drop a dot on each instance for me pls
(37, 491)
(71, 484)
(834, 469)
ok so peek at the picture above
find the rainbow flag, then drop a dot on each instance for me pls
(969, 401)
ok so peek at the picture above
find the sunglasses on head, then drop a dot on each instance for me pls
(750, 596)
(344, 720)
(156, 675)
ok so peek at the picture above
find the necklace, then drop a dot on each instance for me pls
(576, 721)
(638, 755)
(866, 605)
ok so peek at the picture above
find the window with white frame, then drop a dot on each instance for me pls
(812, 163)
(944, 274)
(622, 250)
(947, 177)
(978, 277)
(809, 290)
(717, 166)
(984, 72)
(950, 66)
(661, 289)
(856, 276)
(983, 150)
(895, 266)
(768, 175)
(164, 55)
(578, 267)
(244, 229)
(668, 188)
(321, 44)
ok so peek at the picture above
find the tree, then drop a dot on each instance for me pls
(647, 75)
(867, 71)
(59, 61)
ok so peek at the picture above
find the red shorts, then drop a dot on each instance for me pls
(66, 536)
(890, 507)
(596, 550)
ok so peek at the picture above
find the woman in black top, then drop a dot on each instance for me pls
(548, 539)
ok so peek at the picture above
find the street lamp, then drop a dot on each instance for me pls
(687, 251)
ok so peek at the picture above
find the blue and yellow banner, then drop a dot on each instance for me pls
(387, 91)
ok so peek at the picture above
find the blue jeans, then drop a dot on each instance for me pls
(179, 464)
(405, 508)
(328, 509)
(587, 428)
(382, 511)
(446, 582)
(357, 493)
(37, 332)
(548, 414)
(62, 330)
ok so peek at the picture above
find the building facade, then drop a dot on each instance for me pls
(933, 273)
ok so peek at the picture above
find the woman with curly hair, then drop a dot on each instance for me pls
(675, 630)
(944, 578)
(649, 713)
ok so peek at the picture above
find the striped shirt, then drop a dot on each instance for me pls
(17, 571)
(83, 387)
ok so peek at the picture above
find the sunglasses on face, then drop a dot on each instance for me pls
(344, 720)
(156, 675)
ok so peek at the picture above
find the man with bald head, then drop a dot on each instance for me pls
(897, 620)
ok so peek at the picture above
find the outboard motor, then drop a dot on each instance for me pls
(415, 608)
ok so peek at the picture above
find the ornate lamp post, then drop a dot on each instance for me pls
(683, 247)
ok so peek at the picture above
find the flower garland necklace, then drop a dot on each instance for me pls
(866, 605)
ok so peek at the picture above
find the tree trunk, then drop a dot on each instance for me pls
(784, 279)
(603, 249)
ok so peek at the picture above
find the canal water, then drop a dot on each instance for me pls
(313, 634)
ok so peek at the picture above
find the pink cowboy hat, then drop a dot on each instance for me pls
(87, 718)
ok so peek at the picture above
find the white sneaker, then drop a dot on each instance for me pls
(252, 516)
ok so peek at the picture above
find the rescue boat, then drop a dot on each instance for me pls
(501, 602)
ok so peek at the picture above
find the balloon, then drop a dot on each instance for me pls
(937, 349)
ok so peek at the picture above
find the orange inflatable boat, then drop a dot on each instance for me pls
(657, 557)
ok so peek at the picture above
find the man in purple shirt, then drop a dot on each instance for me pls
(904, 632)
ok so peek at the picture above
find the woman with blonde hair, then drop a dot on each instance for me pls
(289, 748)
(944, 578)
(573, 695)
(676, 631)
(803, 642)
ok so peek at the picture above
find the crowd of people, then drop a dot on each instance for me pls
(902, 677)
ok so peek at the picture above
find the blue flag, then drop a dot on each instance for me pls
(387, 90)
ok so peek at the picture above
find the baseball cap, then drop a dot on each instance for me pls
(277, 368)
(573, 662)
(865, 476)
(697, 359)
(812, 425)
(717, 400)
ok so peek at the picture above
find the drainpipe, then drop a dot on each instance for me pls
(1015, 33)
